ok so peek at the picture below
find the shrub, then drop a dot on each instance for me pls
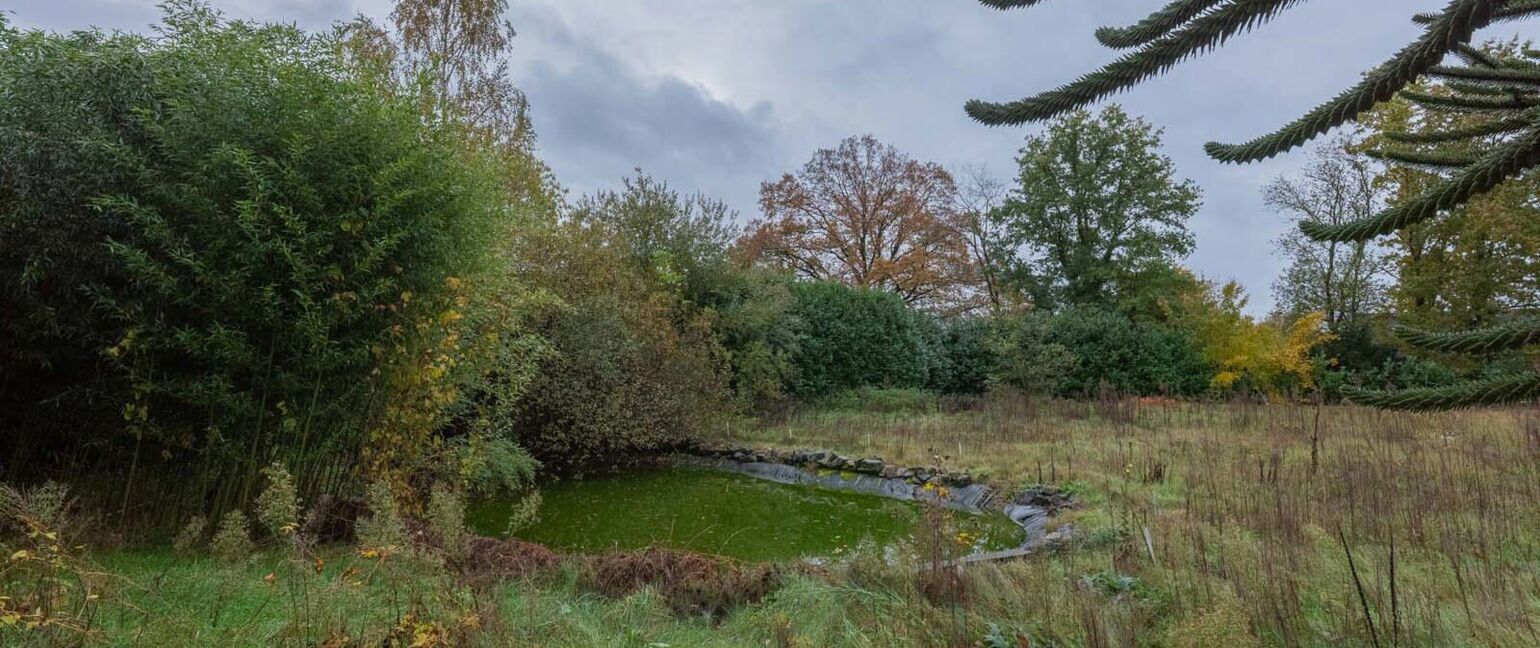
(691, 583)
(191, 535)
(753, 318)
(963, 355)
(855, 337)
(232, 540)
(1024, 356)
(446, 516)
(278, 505)
(383, 530)
(1112, 352)
(630, 370)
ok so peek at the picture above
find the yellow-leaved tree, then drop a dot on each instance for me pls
(1267, 356)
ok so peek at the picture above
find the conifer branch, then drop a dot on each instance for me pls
(1454, 26)
(1011, 4)
(1475, 56)
(1498, 101)
(1489, 129)
(1515, 388)
(1154, 26)
(1483, 340)
(1504, 77)
(1200, 35)
(1434, 160)
(1507, 160)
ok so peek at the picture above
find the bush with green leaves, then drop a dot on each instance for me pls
(1114, 353)
(855, 337)
(1025, 357)
(215, 241)
(630, 370)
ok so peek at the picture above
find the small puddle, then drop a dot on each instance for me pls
(724, 513)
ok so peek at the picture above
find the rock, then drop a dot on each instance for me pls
(1048, 498)
(832, 461)
(958, 480)
(922, 475)
(869, 465)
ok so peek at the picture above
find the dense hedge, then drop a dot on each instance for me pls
(855, 337)
(1113, 352)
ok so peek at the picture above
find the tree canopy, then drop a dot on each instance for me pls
(866, 215)
(1095, 201)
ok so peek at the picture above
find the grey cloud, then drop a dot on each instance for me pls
(597, 118)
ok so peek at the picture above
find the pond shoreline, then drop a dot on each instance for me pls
(1030, 509)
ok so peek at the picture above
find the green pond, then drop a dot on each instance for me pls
(727, 514)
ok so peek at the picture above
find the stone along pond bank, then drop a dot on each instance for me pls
(1031, 508)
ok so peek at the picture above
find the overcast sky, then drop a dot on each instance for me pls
(718, 95)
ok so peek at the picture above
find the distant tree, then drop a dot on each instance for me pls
(1268, 356)
(865, 215)
(457, 47)
(1342, 280)
(979, 196)
(1095, 201)
(679, 240)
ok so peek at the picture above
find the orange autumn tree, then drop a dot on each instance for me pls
(866, 215)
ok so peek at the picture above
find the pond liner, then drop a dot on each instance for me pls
(1026, 510)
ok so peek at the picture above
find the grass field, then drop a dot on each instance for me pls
(1196, 525)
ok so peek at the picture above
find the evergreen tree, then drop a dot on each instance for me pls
(1505, 91)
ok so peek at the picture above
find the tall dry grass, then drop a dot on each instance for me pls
(1299, 525)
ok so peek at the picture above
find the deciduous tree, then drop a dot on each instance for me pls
(1095, 201)
(1343, 280)
(868, 216)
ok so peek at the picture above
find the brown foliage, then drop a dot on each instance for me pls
(490, 559)
(692, 583)
(866, 215)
